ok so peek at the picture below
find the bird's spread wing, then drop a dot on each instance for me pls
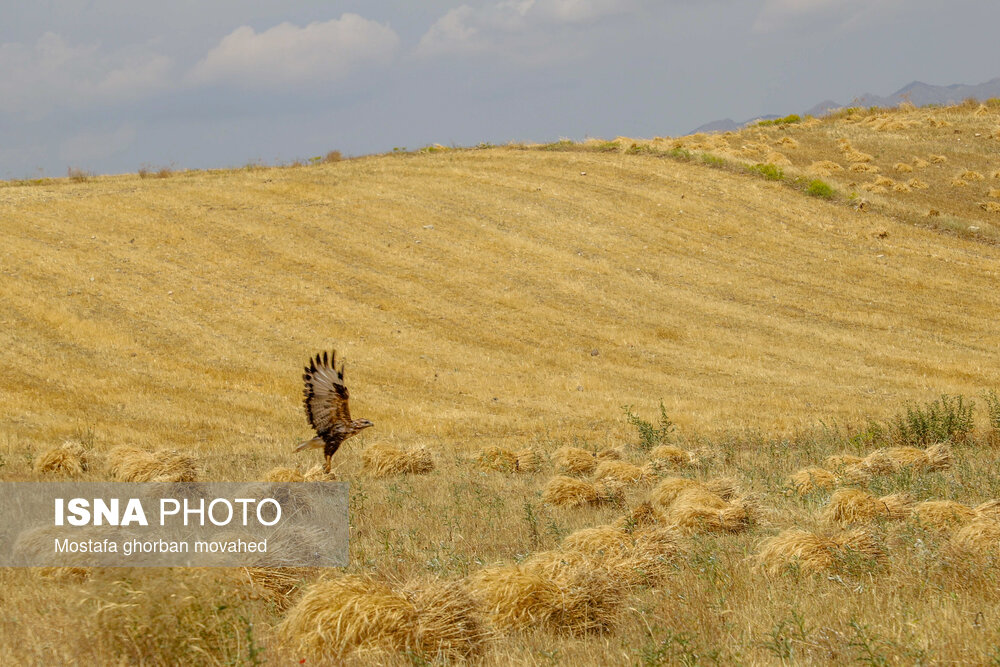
(325, 395)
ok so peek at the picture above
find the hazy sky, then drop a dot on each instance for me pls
(112, 85)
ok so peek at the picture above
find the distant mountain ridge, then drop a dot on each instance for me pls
(917, 92)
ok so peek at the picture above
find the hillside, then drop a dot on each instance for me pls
(520, 296)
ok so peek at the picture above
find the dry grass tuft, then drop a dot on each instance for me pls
(564, 491)
(69, 458)
(131, 464)
(357, 614)
(622, 472)
(385, 460)
(283, 474)
(919, 162)
(852, 506)
(970, 175)
(937, 159)
(671, 455)
(990, 206)
(574, 460)
(824, 168)
(808, 480)
(863, 168)
(498, 459)
(917, 184)
(902, 167)
(812, 552)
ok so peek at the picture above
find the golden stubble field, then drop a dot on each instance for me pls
(514, 297)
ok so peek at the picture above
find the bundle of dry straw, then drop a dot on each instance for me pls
(981, 537)
(356, 614)
(669, 488)
(808, 480)
(672, 456)
(891, 460)
(131, 464)
(944, 515)
(812, 552)
(504, 460)
(566, 491)
(282, 474)
(697, 509)
(568, 595)
(622, 472)
(69, 458)
(385, 460)
(849, 506)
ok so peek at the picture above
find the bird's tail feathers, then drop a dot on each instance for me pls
(315, 443)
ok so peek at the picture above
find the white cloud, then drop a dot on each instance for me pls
(795, 14)
(289, 55)
(51, 73)
(501, 25)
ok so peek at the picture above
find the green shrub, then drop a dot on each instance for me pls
(993, 408)
(771, 172)
(787, 120)
(650, 436)
(713, 160)
(818, 188)
(946, 418)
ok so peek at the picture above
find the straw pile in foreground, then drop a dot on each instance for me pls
(504, 460)
(434, 620)
(812, 552)
(69, 458)
(569, 595)
(385, 460)
(131, 464)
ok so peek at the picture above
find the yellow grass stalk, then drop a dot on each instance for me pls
(919, 163)
(849, 506)
(937, 159)
(316, 474)
(863, 168)
(564, 491)
(131, 464)
(385, 460)
(68, 574)
(917, 184)
(813, 552)
(574, 460)
(283, 474)
(808, 480)
(902, 167)
(970, 175)
(69, 458)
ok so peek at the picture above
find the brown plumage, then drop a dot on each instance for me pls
(325, 401)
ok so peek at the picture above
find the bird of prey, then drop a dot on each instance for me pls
(325, 400)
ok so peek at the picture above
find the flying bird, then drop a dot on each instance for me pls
(325, 400)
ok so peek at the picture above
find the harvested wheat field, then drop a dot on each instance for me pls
(510, 317)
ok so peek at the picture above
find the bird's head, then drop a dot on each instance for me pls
(362, 424)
